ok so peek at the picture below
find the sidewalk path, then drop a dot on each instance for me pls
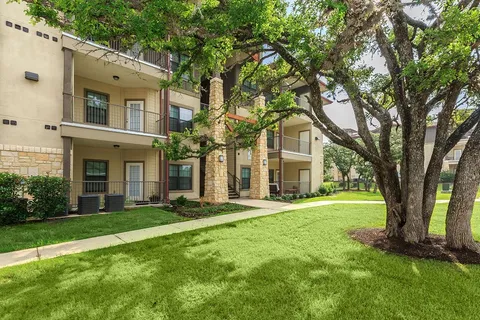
(266, 208)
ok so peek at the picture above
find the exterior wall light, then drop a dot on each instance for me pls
(264, 162)
(221, 158)
(116, 146)
(116, 78)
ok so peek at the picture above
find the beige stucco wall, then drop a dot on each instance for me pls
(116, 161)
(32, 104)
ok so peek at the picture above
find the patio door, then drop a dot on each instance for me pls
(304, 175)
(134, 178)
(135, 115)
(304, 143)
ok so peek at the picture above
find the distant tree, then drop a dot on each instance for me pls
(342, 158)
(365, 172)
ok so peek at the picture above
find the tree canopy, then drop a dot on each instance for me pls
(433, 62)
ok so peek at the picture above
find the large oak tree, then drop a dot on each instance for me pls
(432, 63)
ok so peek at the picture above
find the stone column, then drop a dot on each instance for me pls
(259, 171)
(216, 179)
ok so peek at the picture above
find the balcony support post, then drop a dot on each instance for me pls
(280, 157)
(259, 170)
(167, 132)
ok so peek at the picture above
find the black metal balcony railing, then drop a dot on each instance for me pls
(104, 114)
(292, 145)
(135, 192)
(148, 55)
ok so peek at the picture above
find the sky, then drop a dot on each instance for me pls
(342, 113)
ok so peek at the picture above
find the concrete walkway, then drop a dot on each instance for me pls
(51, 251)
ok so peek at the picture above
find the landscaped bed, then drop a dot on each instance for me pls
(293, 265)
(36, 233)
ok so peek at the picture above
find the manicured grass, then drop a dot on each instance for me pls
(293, 265)
(364, 195)
(37, 234)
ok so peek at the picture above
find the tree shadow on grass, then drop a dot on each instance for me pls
(239, 275)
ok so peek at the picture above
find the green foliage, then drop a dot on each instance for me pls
(447, 176)
(13, 209)
(181, 201)
(341, 157)
(49, 196)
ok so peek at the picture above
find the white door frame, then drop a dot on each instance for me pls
(135, 187)
(129, 110)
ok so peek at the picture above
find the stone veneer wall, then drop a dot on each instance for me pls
(216, 179)
(259, 187)
(31, 161)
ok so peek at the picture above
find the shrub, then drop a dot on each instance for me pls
(447, 177)
(278, 198)
(323, 189)
(13, 209)
(49, 196)
(181, 201)
(294, 196)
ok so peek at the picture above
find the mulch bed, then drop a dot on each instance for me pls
(433, 248)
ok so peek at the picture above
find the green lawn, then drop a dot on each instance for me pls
(293, 265)
(37, 234)
(364, 195)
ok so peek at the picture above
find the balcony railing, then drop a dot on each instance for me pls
(104, 114)
(135, 192)
(302, 102)
(148, 55)
(292, 145)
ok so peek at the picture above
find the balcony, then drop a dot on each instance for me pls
(103, 114)
(303, 103)
(94, 119)
(292, 149)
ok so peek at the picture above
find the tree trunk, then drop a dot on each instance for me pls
(389, 186)
(343, 182)
(414, 139)
(348, 183)
(358, 183)
(467, 179)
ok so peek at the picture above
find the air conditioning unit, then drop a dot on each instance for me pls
(88, 204)
(114, 202)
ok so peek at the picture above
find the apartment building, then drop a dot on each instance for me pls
(84, 111)
(450, 161)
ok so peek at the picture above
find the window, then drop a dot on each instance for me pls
(176, 60)
(249, 154)
(249, 87)
(271, 175)
(96, 107)
(180, 119)
(270, 139)
(246, 178)
(457, 154)
(179, 177)
(95, 176)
